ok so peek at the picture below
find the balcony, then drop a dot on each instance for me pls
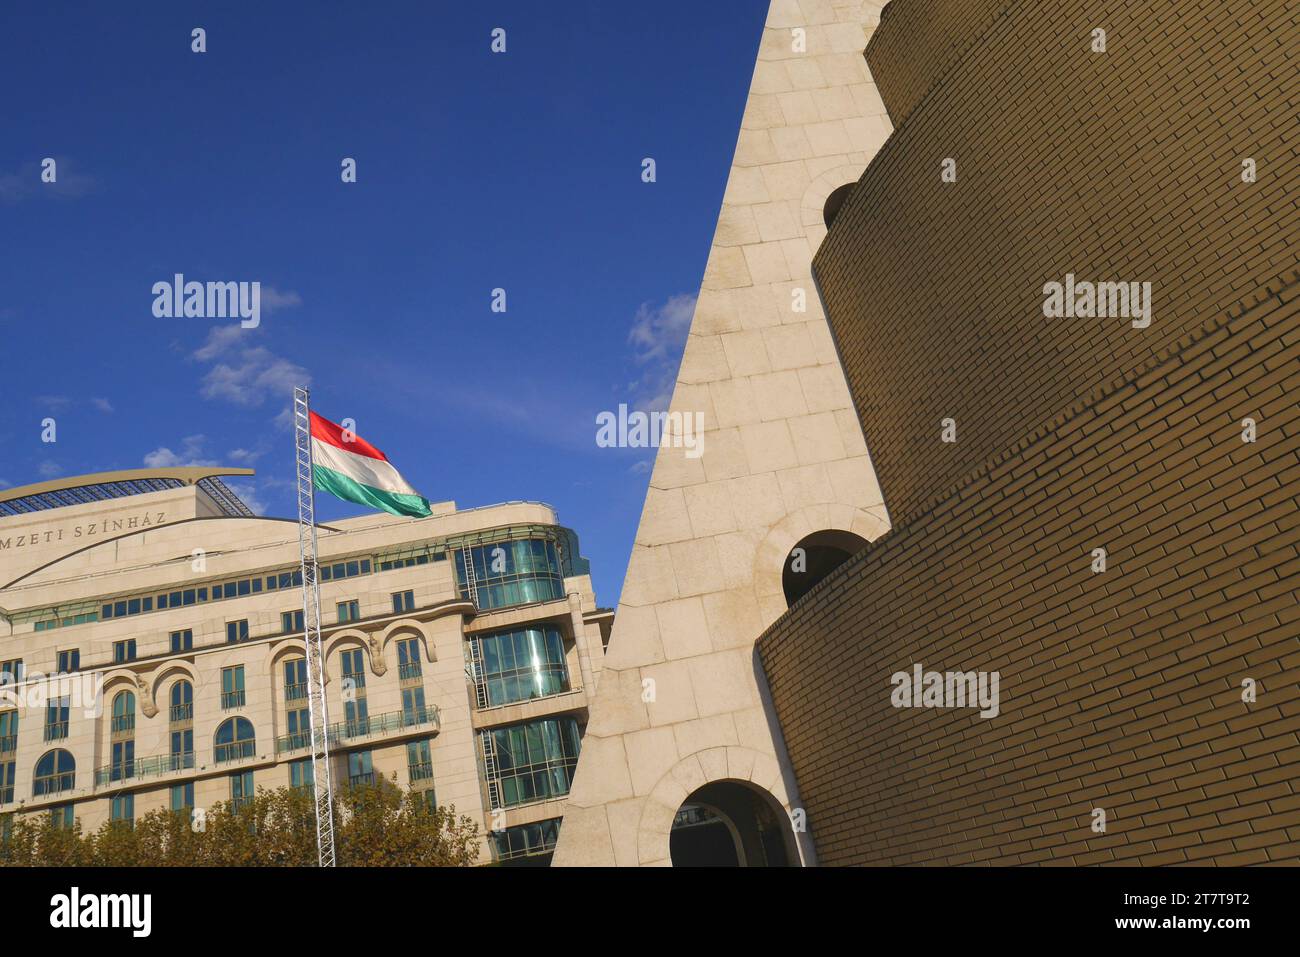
(345, 732)
(423, 771)
(409, 669)
(56, 730)
(144, 768)
(180, 713)
(359, 780)
(235, 751)
(123, 723)
(232, 699)
(295, 692)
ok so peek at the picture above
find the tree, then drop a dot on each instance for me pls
(376, 825)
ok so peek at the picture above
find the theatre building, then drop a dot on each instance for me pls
(461, 650)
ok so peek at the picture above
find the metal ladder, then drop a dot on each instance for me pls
(471, 580)
(490, 770)
(476, 664)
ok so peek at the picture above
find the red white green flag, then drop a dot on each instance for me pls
(346, 465)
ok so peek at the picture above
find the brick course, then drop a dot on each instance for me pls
(1119, 690)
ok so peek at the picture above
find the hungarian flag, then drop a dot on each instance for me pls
(346, 465)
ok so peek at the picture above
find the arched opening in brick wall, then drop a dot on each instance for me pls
(834, 202)
(815, 557)
(731, 824)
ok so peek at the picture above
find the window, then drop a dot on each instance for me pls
(360, 769)
(56, 719)
(295, 679)
(69, 661)
(8, 731)
(8, 772)
(123, 761)
(11, 671)
(123, 809)
(236, 631)
(349, 610)
(182, 750)
(55, 772)
(301, 773)
(232, 687)
(299, 727)
(234, 740)
(355, 710)
(62, 818)
(182, 641)
(419, 763)
(291, 621)
(535, 760)
(123, 721)
(241, 790)
(354, 668)
(124, 650)
(413, 710)
(512, 573)
(519, 665)
(403, 601)
(182, 703)
(182, 796)
(526, 840)
(408, 658)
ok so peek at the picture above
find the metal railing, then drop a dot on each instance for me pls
(56, 730)
(232, 699)
(295, 692)
(123, 722)
(421, 771)
(144, 767)
(225, 753)
(356, 780)
(181, 712)
(343, 731)
(409, 669)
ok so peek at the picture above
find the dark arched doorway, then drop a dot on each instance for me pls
(815, 557)
(731, 824)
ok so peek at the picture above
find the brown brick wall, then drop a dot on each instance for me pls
(917, 41)
(1119, 690)
(1124, 165)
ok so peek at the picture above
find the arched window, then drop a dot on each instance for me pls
(56, 771)
(182, 708)
(815, 557)
(123, 713)
(234, 740)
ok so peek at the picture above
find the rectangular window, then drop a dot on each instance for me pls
(403, 601)
(123, 808)
(295, 680)
(124, 650)
(408, 658)
(419, 763)
(535, 760)
(61, 817)
(8, 731)
(360, 769)
(241, 789)
(182, 796)
(123, 765)
(7, 782)
(56, 719)
(301, 773)
(298, 724)
(349, 610)
(291, 621)
(236, 631)
(11, 671)
(232, 687)
(182, 641)
(413, 710)
(69, 660)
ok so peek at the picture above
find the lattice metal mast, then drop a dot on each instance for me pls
(319, 718)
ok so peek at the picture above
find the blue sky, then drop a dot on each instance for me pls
(475, 170)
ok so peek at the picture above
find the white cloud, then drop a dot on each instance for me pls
(249, 495)
(103, 405)
(49, 469)
(273, 299)
(658, 336)
(246, 375)
(191, 453)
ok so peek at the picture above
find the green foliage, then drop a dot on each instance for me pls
(376, 825)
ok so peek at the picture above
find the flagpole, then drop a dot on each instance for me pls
(318, 715)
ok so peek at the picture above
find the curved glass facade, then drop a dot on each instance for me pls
(512, 573)
(536, 759)
(522, 664)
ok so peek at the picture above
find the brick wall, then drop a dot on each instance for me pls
(1120, 690)
(1117, 166)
